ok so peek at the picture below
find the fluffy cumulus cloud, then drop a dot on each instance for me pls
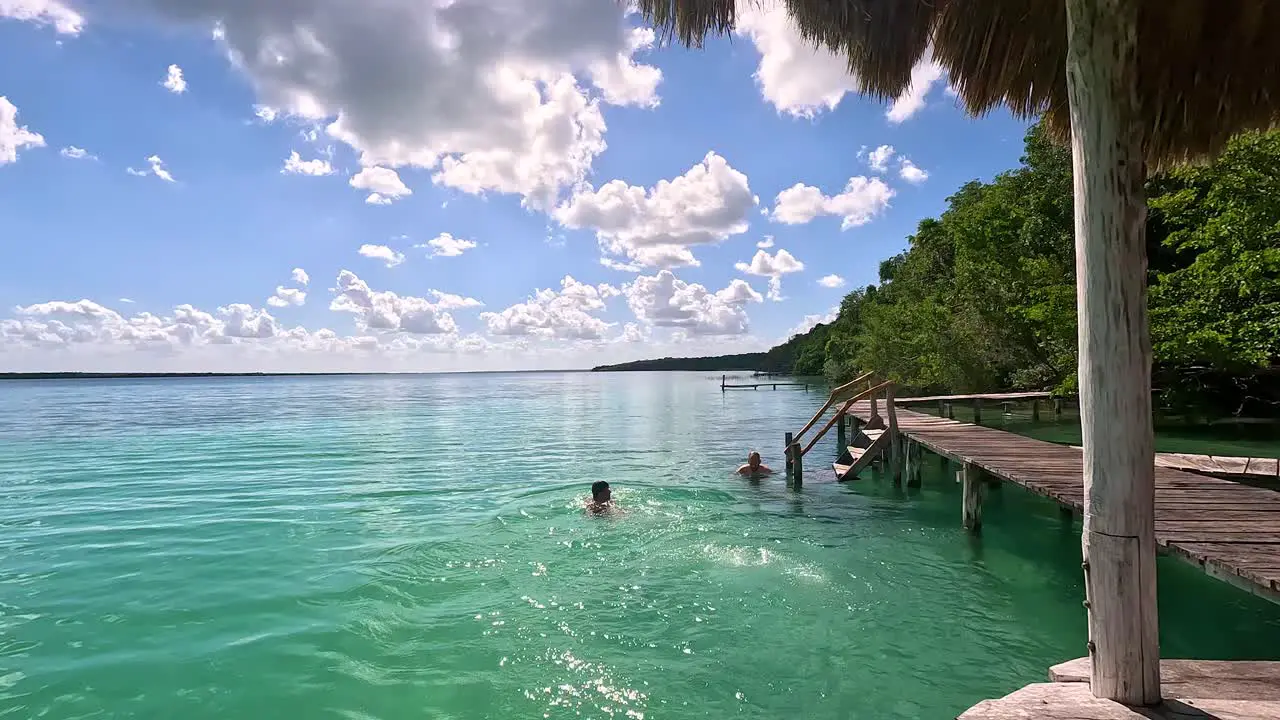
(879, 158)
(766, 243)
(384, 185)
(385, 311)
(658, 226)
(810, 322)
(44, 12)
(912, 174)
(301, 277)
(14, 137)
(773, 267)
(802, 80)
(446, 245)
(174, 82)
(570, 313)
(831, 281)
(663, 300)
(383, 253)
(295, 165)
(862, 200)
(68, 323)
(491, 96)
(285, 297)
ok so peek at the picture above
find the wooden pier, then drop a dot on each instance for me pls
(1230, 530)
(726, 385)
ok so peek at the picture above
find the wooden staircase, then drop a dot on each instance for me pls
(874, 440)
(867, 446)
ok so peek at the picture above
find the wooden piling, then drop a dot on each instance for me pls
(723, 380)
(974, 490)
(1057, 408)
(942, 409)
(951, 411)
(977, 411)
(915, 457)
(1035, 411)
(797, 465)
(788, 441)
(1006, 408)
(842, 434)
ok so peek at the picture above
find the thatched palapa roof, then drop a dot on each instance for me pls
(1206, 68)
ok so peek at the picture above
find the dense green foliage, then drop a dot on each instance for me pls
(984, 297)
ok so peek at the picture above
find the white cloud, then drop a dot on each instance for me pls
(879, 158)
(569, 313)
(126, 300)
(446, 245)
(810, 322)
(862, 200)
(285, 297)
(767, 242)
(620, 266)
(301, 277)
(663, 300)
(387, 311)
(912, 174)
(14, 137)
(831, 281)
(44, 12)
(383, 253)
(481, 92)
(174, 82)
(384, 185)
(656, 227)
(295, 165)
(773, 267)
(72, 152)
(85, 321)
(449, 301)
(156, 168)
(924, 76)
(802, 80)
(796, 77)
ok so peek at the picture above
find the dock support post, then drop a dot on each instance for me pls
(1108, 146)
(896, 441)
(723, 378)
(915, 457)
(1035, 411)
(842, 433)
(1006, 408)
(977, 411)
(974, 490)
(787, 442)
(942, 408)
(797, 465)
(951, 411)
(1057, 408)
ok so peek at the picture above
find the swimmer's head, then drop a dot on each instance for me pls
(600, 491)
(753, 459)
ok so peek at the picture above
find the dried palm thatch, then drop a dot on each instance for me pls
(1206, 68)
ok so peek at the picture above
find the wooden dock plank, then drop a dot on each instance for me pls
(1230, 530)
(1074, 701)
(993, 397)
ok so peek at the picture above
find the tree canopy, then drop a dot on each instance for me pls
(984, 297)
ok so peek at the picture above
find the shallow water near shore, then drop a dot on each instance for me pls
(410, 547)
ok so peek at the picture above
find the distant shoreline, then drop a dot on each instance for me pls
(179, 375)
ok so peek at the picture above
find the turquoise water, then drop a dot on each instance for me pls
(414, 547)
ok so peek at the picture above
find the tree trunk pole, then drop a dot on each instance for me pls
(1115, 352)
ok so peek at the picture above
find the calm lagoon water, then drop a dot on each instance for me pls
(414, 547)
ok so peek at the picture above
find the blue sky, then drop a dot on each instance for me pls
(485, 184)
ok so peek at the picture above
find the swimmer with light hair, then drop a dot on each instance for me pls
(754, 468)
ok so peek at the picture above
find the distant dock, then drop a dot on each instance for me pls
(725, 385)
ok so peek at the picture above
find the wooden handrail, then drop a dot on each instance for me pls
(865, 393)
(831, 400)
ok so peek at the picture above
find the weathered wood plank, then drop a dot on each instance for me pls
(1074, 701)
(1230, 530)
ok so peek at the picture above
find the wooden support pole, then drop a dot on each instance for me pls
(1057, 408)
(1006, 408)
(1035, 410)
(951, 411)
(788, 441)
(915, 457)
(974, 490)
(842, 433)
(797, 465)
(942, 408)
(977, 411)
(723, 380)
(1118, 543)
